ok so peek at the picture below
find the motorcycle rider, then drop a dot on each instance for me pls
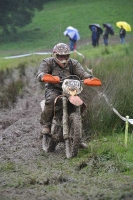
(59, 65)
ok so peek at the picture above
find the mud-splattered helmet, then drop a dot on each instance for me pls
(61, 54)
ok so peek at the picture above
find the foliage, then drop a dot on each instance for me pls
(15, 14)
(11, 86)
(33, 60)
(115, 71)
(110, 148)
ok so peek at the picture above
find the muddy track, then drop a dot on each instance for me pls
(26, 172)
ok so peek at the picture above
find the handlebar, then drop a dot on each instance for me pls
(55, 79)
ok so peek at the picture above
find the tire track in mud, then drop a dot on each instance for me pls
(20, 126)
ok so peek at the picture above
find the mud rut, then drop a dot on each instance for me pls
(20, 146)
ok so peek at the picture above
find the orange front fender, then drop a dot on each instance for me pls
(75, 100)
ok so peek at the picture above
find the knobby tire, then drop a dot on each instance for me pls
(48, 144)
(72, 143)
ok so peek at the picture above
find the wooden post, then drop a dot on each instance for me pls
(126, 130)
(75, 53)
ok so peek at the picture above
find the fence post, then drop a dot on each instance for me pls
(126, 130)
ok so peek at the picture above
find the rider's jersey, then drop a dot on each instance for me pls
(50, 66)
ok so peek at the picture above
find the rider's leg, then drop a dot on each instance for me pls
(48, 111)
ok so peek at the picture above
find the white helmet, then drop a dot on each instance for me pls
(61, 54)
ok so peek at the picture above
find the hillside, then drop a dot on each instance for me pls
(48, 25)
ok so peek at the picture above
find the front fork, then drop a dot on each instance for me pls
(78, 110)
(65, 119)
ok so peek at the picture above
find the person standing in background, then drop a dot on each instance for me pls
(105, 36)
(94, 36)
(98, 37)
(122, 34)
(72, 45)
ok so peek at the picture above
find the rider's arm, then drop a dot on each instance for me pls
(80, 71)
(43, 69)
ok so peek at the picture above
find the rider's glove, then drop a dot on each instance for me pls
(50, 79)
(92, 81)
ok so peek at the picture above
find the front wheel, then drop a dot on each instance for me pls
(73, 142)
(48, 145)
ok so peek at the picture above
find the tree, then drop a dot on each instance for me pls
(18, 13)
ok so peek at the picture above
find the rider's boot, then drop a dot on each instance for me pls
(45, 131)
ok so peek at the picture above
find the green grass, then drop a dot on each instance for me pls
(110, 150)
(49, 24)
(33, 60)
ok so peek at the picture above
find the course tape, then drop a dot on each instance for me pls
(38, 53)
(79, 53)
(123, 118)
(29, 54)
(115, 111)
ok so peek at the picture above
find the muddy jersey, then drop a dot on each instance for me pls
(49, 66)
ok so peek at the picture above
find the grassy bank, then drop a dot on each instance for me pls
(49, 24)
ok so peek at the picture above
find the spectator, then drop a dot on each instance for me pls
(105, 36)
(122, 35)
(72, 44)
(98, 38)
(94, 36)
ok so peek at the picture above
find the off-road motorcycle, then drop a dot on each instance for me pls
(67, 123)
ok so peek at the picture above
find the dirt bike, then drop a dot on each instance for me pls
(67, 123)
